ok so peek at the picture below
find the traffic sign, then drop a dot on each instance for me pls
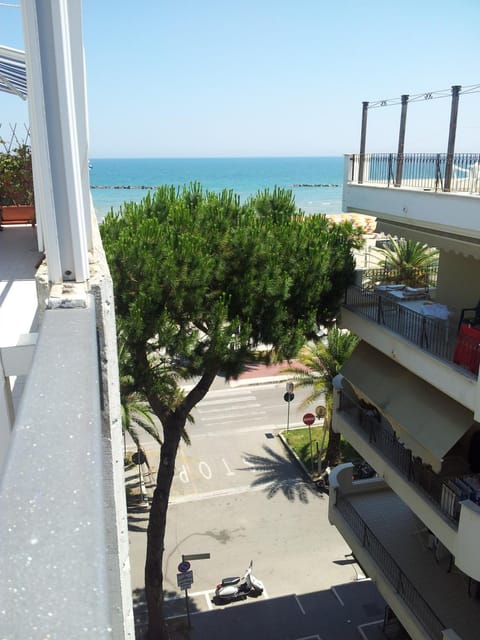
(139, 457)
(184, 566)
(185, 580)
(308, 419)
(196, 556)
(289, 396)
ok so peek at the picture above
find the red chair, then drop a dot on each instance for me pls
(467, 348)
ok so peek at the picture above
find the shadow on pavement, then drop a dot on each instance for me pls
(275, 474)
(334, 614)
(175, 608)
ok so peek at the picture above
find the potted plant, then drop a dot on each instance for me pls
(16, 186)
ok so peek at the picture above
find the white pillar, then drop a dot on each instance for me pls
(53, 53)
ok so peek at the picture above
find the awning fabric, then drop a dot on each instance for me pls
(13, 75)
(426, 421)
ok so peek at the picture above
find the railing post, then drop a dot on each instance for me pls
(451, 136)
(401, 141)
(390, 168)
(363, 138)
(438, 173)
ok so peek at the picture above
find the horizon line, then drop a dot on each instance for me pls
(212, 157)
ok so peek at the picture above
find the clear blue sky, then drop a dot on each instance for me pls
(186, 78)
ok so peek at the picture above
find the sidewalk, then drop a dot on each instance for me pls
(264, 374)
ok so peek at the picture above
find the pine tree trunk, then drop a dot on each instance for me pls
(156, 530)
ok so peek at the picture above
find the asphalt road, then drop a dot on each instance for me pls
(237, 496)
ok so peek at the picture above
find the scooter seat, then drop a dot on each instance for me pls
(227, 581)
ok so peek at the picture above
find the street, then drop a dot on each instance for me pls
(237, 496)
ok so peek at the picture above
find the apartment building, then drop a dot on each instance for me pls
(408, 399)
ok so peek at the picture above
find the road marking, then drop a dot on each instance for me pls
(205, 470)
(183, 475)
(299, 604)
(210, 403)
(367, 624)
(337, 596)
(208, 599)
(230, 433)
(250, 465)
(220, 493)
(220, 413)
(229, 471)
(315, 637)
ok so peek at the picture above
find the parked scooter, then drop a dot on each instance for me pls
(236, 588)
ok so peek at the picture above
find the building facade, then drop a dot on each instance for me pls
(408, 400)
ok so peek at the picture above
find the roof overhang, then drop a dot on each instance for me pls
(13, 75)
(426, 421)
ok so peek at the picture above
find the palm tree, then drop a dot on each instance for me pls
(409, 262)
(321, 362)
(136, 416)
(135, 410)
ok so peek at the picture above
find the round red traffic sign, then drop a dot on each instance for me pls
(309, 418)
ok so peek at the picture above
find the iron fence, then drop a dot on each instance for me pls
(393, 573)
(428, 171)
(382, 437)
(409, 276)
(430, 334)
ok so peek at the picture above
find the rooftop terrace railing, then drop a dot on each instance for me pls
(397, 578)
(459, 173)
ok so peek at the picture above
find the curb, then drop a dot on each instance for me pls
(295, 457)
(246, 382)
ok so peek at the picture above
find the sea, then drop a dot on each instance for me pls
(316, 183)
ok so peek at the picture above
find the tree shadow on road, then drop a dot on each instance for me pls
(275, 475)
(174, 609)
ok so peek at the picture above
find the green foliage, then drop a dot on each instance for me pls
(202, 281)
(278, 205)
(408, 262)
(16, 176)
(321, 362)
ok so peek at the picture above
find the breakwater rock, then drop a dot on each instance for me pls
(316, 185)
(122, 186)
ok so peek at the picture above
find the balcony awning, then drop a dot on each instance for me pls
(13, 75)
(426, 421)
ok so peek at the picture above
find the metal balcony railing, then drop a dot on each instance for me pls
(383, 439)
(430, 334)
(429, 171)
(393, 573)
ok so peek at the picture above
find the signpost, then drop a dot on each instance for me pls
(309, 419)
(185, 576)
(288, 397)
(139, 458)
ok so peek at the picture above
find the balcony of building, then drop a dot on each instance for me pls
(447, 500)
(418, 577)
(424, 193)
(429, 328)
(418, 200)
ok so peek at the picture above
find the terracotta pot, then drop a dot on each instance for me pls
(17, 214)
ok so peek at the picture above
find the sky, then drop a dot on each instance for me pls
(227, 78)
